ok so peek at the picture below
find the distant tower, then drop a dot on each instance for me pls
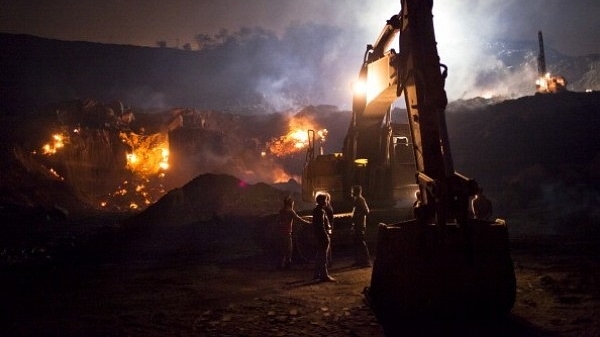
(541, 56)
(546, 83)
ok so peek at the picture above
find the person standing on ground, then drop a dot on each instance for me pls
(359, 226)
(287, 215)
(417, 205)
(322, 238)
(329, 212)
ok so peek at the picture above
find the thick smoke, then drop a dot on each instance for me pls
(299, 53)
(256, 69)
(490, 49)
(469, 45)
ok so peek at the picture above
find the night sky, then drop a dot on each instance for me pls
(571, 27)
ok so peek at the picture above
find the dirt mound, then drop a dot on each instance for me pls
(212, 197)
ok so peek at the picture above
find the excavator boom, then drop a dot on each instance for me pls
(443, 262)
(377, 151)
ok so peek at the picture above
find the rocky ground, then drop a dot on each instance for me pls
(199, 280)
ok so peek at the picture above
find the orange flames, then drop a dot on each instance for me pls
(297, 139)
(56, 143)
(550, 84)
(134, 195)
(148, 155)
(147, 159)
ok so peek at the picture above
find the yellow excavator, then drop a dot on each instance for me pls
(443, 261)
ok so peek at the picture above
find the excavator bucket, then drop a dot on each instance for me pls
(428, 271)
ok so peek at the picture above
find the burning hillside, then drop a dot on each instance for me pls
(98, 151)
(298, 137)
(117, 158)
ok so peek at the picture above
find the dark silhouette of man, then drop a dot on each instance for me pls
(323, 240)
(329, 212)
(287, 215)
(359, 225)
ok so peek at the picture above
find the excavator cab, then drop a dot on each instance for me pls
(379, 158)
(443, 262)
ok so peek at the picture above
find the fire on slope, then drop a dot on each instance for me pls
(115, 164)
(547, 83)
(296, 139)
(148, 160)
(550, 84)
(56, 143)
(149, 154)
(94, 149)
(84, 156)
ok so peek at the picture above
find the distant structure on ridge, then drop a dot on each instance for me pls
(545, 82)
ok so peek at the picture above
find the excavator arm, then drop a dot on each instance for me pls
(376, 150)
(414, 71)
(445, 194)
(376, 88)
(443, 262)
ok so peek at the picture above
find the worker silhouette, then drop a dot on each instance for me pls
(417, 204)
(359, 226)
(287, 215)
(323, 240)
(329, 212)
(481, 206)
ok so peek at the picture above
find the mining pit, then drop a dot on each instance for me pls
(87, 251)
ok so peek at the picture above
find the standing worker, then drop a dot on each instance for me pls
(329, 212)
(287, 215)
(322, 238)
(359, 226)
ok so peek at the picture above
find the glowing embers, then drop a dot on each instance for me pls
(134, 195)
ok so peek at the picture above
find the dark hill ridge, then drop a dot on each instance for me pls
(36, 71)
(239, 76)
(551, 130)
(539, 155)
